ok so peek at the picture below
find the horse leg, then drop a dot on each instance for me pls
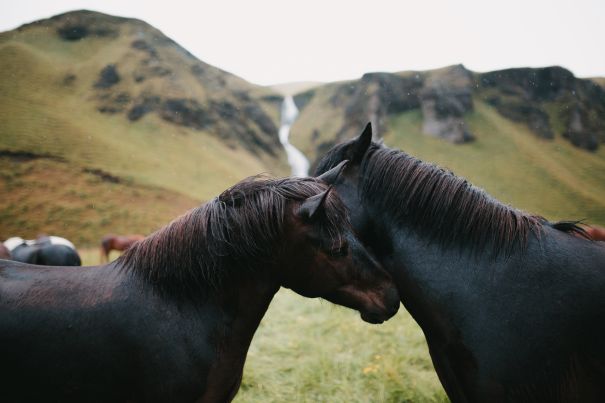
(450, 378)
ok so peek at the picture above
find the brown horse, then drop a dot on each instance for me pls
(117, 242)
(595, 232)
(171, 320)
(4, 253)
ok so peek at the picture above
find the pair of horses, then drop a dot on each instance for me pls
(44, 250)
(173, 317)
(512, 306)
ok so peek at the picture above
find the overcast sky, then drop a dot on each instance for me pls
(276, 41)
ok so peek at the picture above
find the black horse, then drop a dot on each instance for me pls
(512, 306)
(171, 320)
(46, 251)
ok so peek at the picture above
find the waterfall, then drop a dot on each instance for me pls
(296, 159)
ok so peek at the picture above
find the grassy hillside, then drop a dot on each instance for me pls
(546, 175)
(551, 178)
(46, 195)
(188, 143)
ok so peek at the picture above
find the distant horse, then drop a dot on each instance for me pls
(4, 253)
(173, 317)
(511, 305)
(595, 232)
(45, 250)
(117, 242)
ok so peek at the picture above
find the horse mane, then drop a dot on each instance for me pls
(235, 234)
(443, 206)
(572, 228)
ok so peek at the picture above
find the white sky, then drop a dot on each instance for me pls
(275, 41)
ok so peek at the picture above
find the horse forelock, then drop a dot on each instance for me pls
(237, 233)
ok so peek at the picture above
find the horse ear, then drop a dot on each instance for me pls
(330, 177)
(361, 144)
(313, 205)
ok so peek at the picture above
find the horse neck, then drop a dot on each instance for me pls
(437, 283)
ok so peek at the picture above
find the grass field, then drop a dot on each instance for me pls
(308, 350)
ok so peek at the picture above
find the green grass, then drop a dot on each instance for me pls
(311, 351)
(308, 350)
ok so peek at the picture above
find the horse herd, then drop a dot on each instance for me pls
(512, 306)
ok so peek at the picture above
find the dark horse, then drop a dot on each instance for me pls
(117, 242)
(173, 317)
(512, 306)
(45, 250)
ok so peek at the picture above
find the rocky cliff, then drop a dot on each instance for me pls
(543, 99)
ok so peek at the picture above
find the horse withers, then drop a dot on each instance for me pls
(512, 306)
(173, 317)
(44, 250)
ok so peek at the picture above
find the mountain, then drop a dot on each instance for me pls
(107, 125)
(533, 138)
(112, 106)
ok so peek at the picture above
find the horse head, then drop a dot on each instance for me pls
(330, 262)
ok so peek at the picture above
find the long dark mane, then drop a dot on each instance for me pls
(236, 233)
(438, 204)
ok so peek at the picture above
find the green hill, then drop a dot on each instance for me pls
(89, 97)
(114, 95)
(532, 138)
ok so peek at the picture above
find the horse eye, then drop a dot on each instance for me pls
(339, 252)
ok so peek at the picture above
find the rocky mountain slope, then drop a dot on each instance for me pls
(532, 137)
(543, 99)
(108, 97)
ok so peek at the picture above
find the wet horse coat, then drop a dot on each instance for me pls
(512, 306)
(172, 318)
